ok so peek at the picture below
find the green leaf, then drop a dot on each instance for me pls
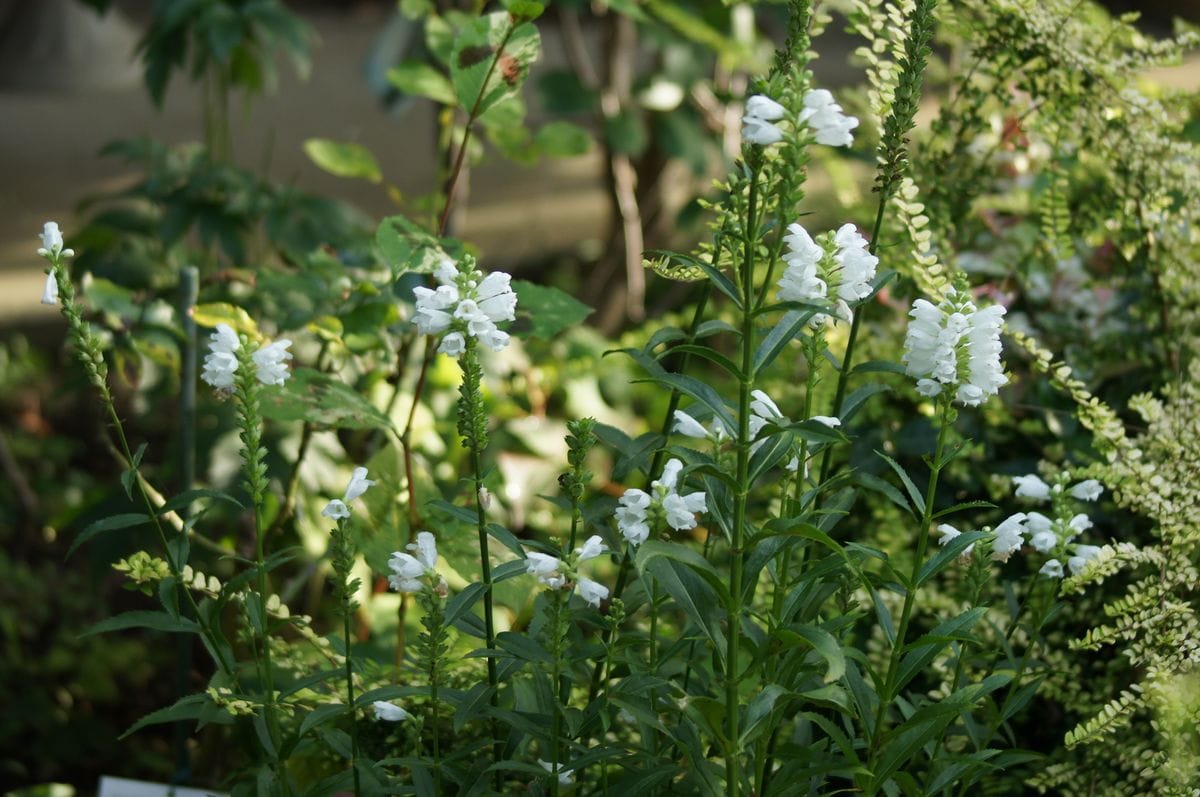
(190, 707)
(320, 715)
(156, 621)
(548, 309)
(462, 603)
(759, 712)
(490, 49)
(322, 400)
(947, 554)
(129, 475)
(914, 494)
(561, 92)
(187, 497)
(873, 482)
(122, 521)
(408, 247)
(214, 313)
(922, 651)
(343, 159)
(422, 80)
(783, 333)
(652, 549)
(523, 647)
(826, 646)
(693, 595)
(471, 704)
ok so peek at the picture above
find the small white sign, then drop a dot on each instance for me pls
(124, 787)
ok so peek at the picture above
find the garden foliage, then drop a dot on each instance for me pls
(864, 513)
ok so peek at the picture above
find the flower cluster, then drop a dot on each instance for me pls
(556, 573)
(411, 573)
(1057, 535)
(465, 304)
(829, 124)
(221, 362)
(954, 345)
(821, 113)
(339, 508)
(839, 268)
(639, 511)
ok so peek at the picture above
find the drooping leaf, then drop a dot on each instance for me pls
(422, 80)
(155, 621)
(343, 159)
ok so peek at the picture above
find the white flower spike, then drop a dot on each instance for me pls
(52, 242)
(1009, 537)
(336, 509)
(943, 338)
(359, 483)
(410, 573)
(592, 592)
(465, 304)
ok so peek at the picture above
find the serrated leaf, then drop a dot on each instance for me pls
(918, 501)
(322, 400)
(343, 159)
(489, 49)
(155, 621)
(122, 521)
(549, 310)
(190, 707)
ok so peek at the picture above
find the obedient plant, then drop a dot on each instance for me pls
(717, 613)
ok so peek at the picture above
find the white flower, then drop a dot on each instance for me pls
(637, 508)
(388, 712)
(495, 297)
(592, 547)
(50, 292)
(52, 241)
(985, 373)
(434, 308)
(948, 533)
(546, 568)
(465, 304)
(1053, 569)
(564, 778)
(271, 361)
(830, 126)
(1088, 490)
(941, 337)
(1079, 524)
(1041, 531)
(221, 362)
(426, 548)
(1083, 555)
(408, 570)
(802, 280)
(856, 263)
(453, 344)
(688, 426)
(1009, 537)
(336, 509)
(1031, 487)
(764, 411)
(827, 420)
(681, 509)
(756, 124)
(358, 484)
(631, 516)
(592, 592)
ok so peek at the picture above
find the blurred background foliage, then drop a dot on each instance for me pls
(1031, 174)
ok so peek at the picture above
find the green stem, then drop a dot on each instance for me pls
(346, 616)
(733, 763)
(656, 462)
(910, 593)
(88, 351)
